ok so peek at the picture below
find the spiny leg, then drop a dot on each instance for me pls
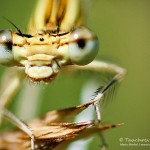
(97, 107)
(100, 67)
(102, 92)
(105, 89)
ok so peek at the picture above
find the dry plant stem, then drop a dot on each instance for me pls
(52, 134)
(62, 114)
(86, 134)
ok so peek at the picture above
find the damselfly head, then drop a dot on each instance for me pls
(43, 54)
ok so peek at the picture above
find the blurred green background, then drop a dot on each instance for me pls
(123, 27)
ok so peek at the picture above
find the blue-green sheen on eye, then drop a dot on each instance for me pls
(83, 46)
(6, 55)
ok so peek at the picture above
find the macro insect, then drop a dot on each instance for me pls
(56, 41)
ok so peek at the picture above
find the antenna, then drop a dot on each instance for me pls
(19, 31)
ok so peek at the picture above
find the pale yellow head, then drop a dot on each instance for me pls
(42, 55)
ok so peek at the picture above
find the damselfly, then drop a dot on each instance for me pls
(56, 41)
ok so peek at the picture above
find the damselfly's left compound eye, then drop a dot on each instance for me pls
(83, 46)
(5, 47)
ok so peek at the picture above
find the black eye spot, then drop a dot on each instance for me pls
(81, 43)
(41, 39)
(9, 45)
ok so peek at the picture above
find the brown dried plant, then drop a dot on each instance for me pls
(50, 135)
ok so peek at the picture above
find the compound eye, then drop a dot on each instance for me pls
(6, 55)
(83, 46)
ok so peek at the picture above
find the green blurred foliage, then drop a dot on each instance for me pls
(123, 28)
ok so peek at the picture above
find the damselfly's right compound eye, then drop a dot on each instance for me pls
(83, 46)
(6, 55)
